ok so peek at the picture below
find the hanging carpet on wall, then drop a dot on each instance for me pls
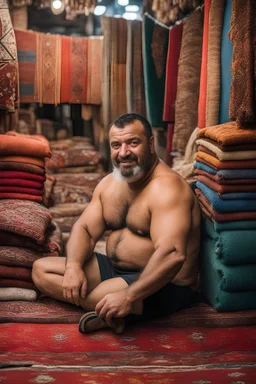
(155, 47)
(8, 61)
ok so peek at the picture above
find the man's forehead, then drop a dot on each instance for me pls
(134, 128)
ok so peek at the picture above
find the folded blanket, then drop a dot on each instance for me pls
(17, 283)
(213, 162)
(229, 134)
(225, 188)
(222, 217)
(20, 196)
(230, 247)
(25, 218)
(220, 205)
(22, 183)
(36, 161)
(20, 190)
(24, 167)
(21, 257)
(24, 146)
(19, 273)
(238, 196)
(244, 225)
(17, 294)
(226, 174)
(219, 180)
(22, 175)
(231, 155)
(221, 300)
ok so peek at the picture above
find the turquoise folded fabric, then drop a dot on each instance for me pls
(221, 300)
(155, 47)
(225, 65)
(238, 196)
(231, 247)
(232, 225)
(221, 205)
(227, 173)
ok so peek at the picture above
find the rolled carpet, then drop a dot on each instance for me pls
(17, 294)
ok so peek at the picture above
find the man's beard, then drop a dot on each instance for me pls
(129, 174)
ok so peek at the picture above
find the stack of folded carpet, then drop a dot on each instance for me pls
(75, 171)
(27, 233)
(225, 171)
(22, 165)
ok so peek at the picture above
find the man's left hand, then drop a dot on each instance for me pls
(113, 305)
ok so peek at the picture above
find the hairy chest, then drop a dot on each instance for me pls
(121, 210)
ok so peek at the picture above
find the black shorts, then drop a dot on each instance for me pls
(167, 300)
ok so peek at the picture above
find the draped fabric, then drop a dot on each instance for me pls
(114, 69)
(186, 107)
(155, 47)
(243, 68)
(78, 70)
(203, 75)
(48, 69)
(213, 63)
(134, 69)
(8, 61)
(94, 79)
(225, 64)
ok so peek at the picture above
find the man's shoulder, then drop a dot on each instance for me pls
(108, 182)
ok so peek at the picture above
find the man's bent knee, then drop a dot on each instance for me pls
(38, 272)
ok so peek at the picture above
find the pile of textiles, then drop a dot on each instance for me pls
(22, 165)
(27, 233)
(75, 171)
(225, 173)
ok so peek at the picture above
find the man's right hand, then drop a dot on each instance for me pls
(74, 284)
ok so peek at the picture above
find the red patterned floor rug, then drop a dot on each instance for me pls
(50, 311)
(245, 375)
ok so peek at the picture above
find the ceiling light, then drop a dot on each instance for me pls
(130, 16)
(99, 10)
(123, 2)
(132, 8)
(57, 4)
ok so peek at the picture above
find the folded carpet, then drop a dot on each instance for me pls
(23, 167)
(5, 174)
(24, 146)
(16, 294)
(21, 257)
(219, 180)
(227, 173)
(223, 155)
(213, 162)
(226, 188)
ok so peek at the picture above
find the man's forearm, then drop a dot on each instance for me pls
(80, 246)
(159, 271)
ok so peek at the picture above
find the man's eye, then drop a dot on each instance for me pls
(134, 142)
(115, 145)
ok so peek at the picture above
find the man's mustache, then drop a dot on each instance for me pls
(127, 158)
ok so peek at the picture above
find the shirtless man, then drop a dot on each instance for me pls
(151, 263)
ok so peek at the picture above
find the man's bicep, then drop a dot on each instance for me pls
(92, 218)
(170, 225)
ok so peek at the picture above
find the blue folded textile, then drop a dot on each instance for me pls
(221, 205)
(231, 246)
(211, 284)
(204, 167)
(238, 196)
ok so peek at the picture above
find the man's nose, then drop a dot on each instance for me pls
(123, 150)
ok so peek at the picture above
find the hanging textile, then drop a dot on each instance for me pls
(155, 46)
(186, 107)
(203, 75)
(225, 63)
(243, 37)
(8, 61)
(134, 69)
(26, 46)
(213, 63)
(175, 36)
(94, 79)
(48, 69)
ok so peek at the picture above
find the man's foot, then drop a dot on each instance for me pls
(90, 322)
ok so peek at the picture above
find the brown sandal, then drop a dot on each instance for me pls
(90, 322)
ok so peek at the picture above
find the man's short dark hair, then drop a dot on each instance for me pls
(128, 118)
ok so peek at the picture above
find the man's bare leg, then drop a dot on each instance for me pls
(48, 277)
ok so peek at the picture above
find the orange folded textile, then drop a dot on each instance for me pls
(213, 162)
(19, 145)
(33, 137)
(23, 159)
(20, 196)
(229, 134)
(225, 188)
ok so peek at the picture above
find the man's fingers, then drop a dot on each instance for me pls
(108, 319)
(83, 290)
(75, 296)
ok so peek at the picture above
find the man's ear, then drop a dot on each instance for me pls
(152, 145)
